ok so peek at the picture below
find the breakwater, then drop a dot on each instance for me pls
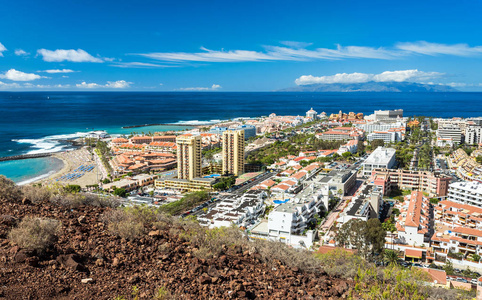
(25, 156)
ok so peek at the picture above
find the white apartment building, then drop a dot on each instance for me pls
(232, 209)
(288, 221)
(466, 192)
(450, 131)
(380, 158)
(473, 135)
(385, 115)
(380, 126)
(386, 136)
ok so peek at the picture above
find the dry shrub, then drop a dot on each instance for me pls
(142, 213)
(36, 193)
(276, 251)
(84, 199)
(9, 190)
(439, 293)
(123, 224)
(36, 234)
(213, 242)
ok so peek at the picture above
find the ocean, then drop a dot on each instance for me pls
(38, 122)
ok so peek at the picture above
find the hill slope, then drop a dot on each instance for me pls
(138, 268)
(406, 87)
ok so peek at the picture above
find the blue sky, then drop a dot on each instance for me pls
(236, 46)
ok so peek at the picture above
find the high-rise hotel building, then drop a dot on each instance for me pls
(233, 152)
(189, 163)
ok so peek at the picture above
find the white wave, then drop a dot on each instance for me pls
(50, 143)
(197, 122)
(27, 181)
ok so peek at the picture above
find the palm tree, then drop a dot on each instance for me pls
(391, 256)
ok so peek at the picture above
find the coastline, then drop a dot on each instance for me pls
(71, 160)
(48, 175)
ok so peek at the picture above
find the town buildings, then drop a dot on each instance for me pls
(473, 135)
(364, 206)
(380, 158)
(450, 132)
(312, 114)
(435, 184)
(466, 166)
(466, 192)
(341, 134)
(392, 135)
(241, 211)
(188, 156)
(414, 222)
(233, 152)
(386, 115)
(186, 185)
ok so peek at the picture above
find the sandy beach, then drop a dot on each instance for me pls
(72, 161)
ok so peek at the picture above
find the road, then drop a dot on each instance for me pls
(257, 181)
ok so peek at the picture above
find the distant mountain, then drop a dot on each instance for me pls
(400, 87)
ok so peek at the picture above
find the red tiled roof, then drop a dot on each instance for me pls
(438, 276)
(413, 253)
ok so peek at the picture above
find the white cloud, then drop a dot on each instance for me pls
(427, 48)
(86, 85)
(120, 84)
(2, 49)
(387, 76)
(161, 84)
(55, 71)
(298, 51)
(47, 86)
(294, 44)
(294, 51)
(13, 85)
(214, 87)
(20, 52)
(140, 65)
(15, 75)
(72, 55)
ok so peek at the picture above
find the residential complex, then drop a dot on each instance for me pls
(232, 209)
(364, 206)
(380, 158)
(473, 135)
(186, 185)
(466, 192)
(341, 134)
(188, 156)
(389, 136)
(451, 132)
(414, 222)
(466, 166)
(435, 184)
(233, 152)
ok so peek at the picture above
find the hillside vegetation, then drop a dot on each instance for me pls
(74, 246)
